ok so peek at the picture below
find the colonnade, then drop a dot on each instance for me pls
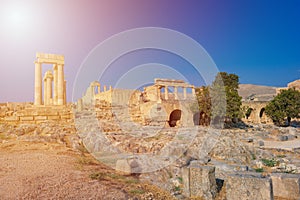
(55, 78)
(175, 92)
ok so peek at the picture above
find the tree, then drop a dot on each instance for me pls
(226, 86)
(203, 108)
(285, 106)
(204, 100)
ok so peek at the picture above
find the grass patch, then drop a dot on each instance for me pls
(85, 161)
(110, 176)
(281, 156)
(177, 188)
(96, 176)
(259, 170)
(269, 162)
(253, 156)
(137, 191)
(180, 179)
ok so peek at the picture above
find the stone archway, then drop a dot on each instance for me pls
(262, 116)
(175, 116)
(262, 112)
(249, 112)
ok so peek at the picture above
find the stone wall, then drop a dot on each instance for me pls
(257, 114)
(27, 113)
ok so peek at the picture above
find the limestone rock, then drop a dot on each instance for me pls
(199, 181)
(248, 187)
(286, 186)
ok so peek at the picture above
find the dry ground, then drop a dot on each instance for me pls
(34, 170)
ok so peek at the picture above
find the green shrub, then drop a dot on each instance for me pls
(269, 162)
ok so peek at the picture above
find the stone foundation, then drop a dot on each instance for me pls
(27, 113)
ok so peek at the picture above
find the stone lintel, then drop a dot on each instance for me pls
(50, 61)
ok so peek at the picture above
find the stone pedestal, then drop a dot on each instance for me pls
(199, 182)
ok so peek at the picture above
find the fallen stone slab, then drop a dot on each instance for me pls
(248, 186)
(286, 185)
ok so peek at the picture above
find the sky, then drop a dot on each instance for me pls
(256, 39)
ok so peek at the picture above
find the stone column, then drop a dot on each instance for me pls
(175, 92)
(110, 88)
(38, 84)
(45, 90)
(104, 88)
(55, 74)
(65, 92)
(193, 92)
(166, 93)
(48, 88)
(99, 89)
(184, 92)
(158, 94)
(60, 84)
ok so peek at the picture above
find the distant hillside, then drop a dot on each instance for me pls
(263, 93)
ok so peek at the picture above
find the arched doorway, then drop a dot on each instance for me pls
(248, 112)
(174, 117)
(262, 116)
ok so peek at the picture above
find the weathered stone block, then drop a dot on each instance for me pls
(12, 118)
(26, 118)
(54, 117)
(248, 186)
(65, 116)
(128, 166)
(40, 117)
(286, 186)
(199, 181)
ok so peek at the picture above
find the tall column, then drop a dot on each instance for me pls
(184, 92)
(193, 92)
(99, 89)
(48, 88)
(55, 74)
(45, 91)
(175, 92)
(65, 92)
(104, 88)
(166, 93)
(38, 84)
(60, 84)
(158, 95)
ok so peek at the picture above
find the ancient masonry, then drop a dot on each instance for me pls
(164, 102)
(50, 105)
(57, 78)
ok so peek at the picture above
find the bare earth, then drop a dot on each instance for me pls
(51, 171)
(46, 171)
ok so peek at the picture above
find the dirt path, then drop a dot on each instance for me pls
(48, 171)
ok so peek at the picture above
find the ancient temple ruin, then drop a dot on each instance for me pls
(55, 95)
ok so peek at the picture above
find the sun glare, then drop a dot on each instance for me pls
(17, 19)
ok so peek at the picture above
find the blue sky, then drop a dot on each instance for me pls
(257, 40)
